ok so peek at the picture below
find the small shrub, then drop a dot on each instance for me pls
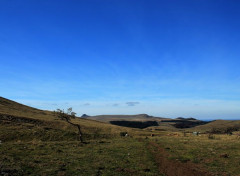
(211, 136)
(122, 134)
(184, 134)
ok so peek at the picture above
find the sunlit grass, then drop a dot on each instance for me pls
(220, 154)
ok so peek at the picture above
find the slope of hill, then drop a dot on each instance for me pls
(220, 125)
(138, 117)
(134, 121)
(10, 107)
(144, 121)
(21, 122)
(37, 142)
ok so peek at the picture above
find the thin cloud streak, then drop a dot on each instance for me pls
(132, 103)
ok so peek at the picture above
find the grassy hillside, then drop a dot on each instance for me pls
(144, 121)
(217, 124)
(37, 142)
(16, 109)
(22, 122)
(219, 153)
(138, 117)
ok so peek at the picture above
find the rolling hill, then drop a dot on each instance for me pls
(103, 122)
(220, 125)
(144, 121)
(138, 117)
(37, 142)
(21, 122)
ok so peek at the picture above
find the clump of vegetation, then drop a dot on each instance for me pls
(211, 136)
(184, 133)
(227, 130)
(230, 130)
(187, 123)
(122, 134)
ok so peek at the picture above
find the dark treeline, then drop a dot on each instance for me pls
(135, 124)
(189, 124)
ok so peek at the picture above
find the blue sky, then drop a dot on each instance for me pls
(164, 58)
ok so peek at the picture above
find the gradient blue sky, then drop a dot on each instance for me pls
(166, 58)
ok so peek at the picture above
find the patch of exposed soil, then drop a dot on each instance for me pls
(175, 168)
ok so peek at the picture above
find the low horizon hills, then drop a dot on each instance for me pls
(140, 116)
(13, 108)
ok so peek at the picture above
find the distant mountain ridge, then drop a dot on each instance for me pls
(9, 108)
(145, 120)
(137, 117)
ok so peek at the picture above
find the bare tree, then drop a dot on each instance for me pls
(67, 117)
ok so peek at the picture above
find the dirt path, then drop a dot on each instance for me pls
(172, 167)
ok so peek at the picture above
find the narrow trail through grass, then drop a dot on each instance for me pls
(172, 167)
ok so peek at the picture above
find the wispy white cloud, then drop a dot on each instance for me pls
(86, 104)
(132, 103)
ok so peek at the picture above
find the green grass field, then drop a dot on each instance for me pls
(98, 157)
(219, 154)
